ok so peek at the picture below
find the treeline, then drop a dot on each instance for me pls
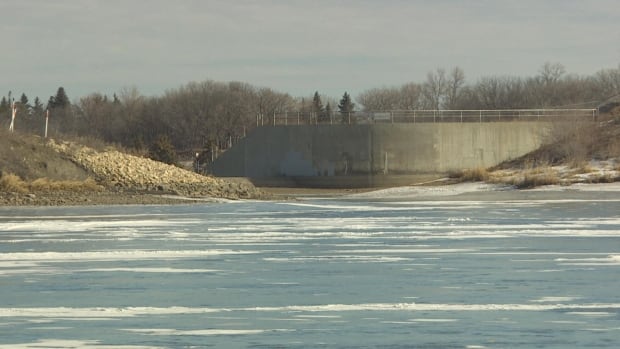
(552, 87)
(205, 115)
(211, 115)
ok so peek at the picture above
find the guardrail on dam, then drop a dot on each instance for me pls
(419, 116)
(374, 154)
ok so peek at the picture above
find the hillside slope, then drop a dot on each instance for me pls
(121, 178)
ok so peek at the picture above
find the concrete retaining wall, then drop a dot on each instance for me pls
(374, 155)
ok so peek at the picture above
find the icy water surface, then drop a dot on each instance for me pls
(313, 274)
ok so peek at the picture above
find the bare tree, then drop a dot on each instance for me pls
(456, 80)
(434, 89)
(410, 95)
(386, 98)
(551, 72)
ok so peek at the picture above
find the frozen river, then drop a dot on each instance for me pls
(498, 270)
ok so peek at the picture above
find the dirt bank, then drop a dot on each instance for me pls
(121, 178)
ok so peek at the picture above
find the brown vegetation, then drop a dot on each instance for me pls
(565, 158)
(10, 182)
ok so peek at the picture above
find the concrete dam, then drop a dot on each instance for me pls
(374, 155)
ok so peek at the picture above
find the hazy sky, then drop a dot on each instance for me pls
(293, 46)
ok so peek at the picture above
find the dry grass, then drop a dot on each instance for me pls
(529, 178)
(532, 180)
(583, 167)
(604, 178)
(479, 174)
(573, 142)
(12, 183)
(44, 184)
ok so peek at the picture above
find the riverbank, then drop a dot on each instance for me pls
(38, 172)
(47, 172)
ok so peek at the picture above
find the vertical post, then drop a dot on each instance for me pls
(461, 116)
(13, 113)
(392, 116)
(480, 115)
(349, 118)
(434, 115)
(286, 118)
(297, 118)
(274, 118)
(414, 116)
(47, 116)
(385, 164)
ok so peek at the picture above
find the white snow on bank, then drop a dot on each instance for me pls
(440, 190)
(583, 187)
(475, 187)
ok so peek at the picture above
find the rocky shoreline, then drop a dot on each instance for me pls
(127, 179)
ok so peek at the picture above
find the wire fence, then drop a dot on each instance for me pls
(427, 116)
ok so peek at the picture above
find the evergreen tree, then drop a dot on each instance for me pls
(24, 100)
(162, 150)
(345, 107)
(4, 105)
(61, 100)
(317, 106)
(37, 107)
(24, 106)
(328, 112)
(51, 103)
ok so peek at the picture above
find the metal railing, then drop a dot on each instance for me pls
(426, 116)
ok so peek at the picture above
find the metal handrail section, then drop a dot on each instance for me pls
(426, 116)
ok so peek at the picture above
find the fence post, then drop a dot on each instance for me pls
(414, 116)
(434, 116)
(461, 116)
(480, 115)
(349, 117)
(47, 117)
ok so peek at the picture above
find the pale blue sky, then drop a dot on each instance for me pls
(293, 46)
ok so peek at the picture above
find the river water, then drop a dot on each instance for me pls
(363, 272)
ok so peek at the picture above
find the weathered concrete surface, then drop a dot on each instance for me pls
(374, 155)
